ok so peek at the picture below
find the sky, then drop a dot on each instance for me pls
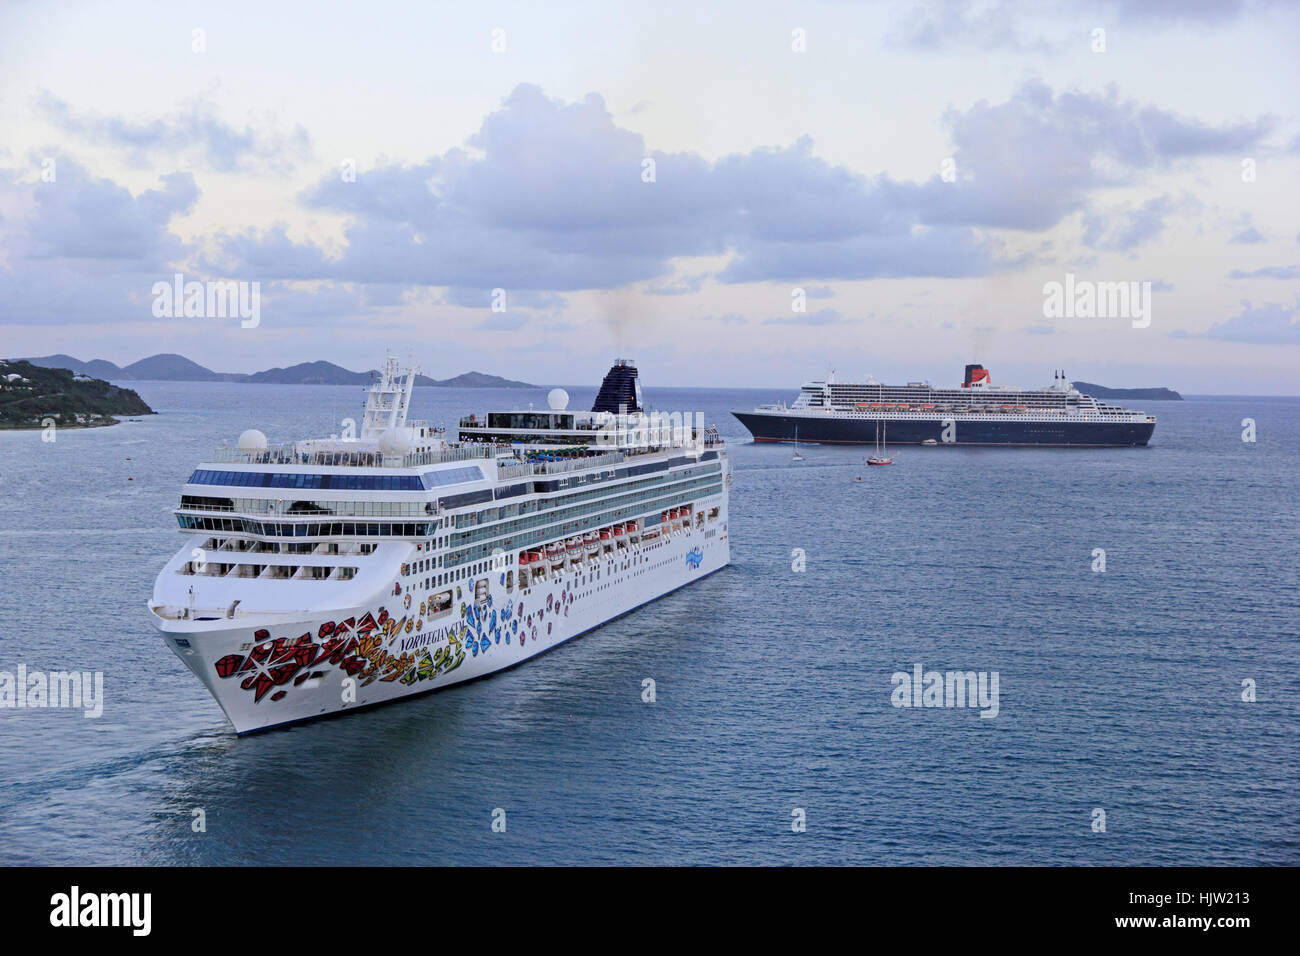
(729, 193)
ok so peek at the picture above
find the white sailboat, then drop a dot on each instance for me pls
(880, 458)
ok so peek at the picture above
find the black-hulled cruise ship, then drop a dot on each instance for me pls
(975, 413)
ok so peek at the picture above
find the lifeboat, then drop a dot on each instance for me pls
(605, 534)
(619, 531)
(525, 558)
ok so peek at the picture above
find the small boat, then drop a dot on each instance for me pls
(857, 479)
(929, 443)
(796, 456)
(879, 458)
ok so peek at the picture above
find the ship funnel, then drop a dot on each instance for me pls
(620, 392)
(975, 373)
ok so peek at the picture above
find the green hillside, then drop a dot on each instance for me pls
(30, 393)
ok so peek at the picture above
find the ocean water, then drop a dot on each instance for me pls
(1118, 690)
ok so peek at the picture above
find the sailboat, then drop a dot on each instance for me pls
(797, 456)
(879, 458)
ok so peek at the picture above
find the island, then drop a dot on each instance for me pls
(31, 396)
(1129, 394)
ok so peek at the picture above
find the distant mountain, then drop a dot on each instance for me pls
(1132, 394)
(309, 373)
(169, 367)
(478, 380)
(99, 368)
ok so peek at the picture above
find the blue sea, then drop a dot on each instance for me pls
(1119, 691)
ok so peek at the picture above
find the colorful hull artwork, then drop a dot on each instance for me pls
(270, 674)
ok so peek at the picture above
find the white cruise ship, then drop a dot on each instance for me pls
(331, 574)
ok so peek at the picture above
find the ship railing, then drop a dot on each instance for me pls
(577, 464)
(458, 453)
(513, 469)
(290, 453)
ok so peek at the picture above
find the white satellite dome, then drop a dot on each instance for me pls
(558, 399)
(397, 441)
(252, 440)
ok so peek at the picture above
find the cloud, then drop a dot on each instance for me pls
(1266, 325)
(686, 285)
(1029, 162)
(503, 322)
(193, 130)
(821, 317)
(938, 25)
(521, 298)
(549, 195)
(1267, 272)
(1247, 236)
(1004, 26)
(82, 248)
(1126, 228)
(1172, 12)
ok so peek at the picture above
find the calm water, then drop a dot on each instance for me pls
(1118, 690)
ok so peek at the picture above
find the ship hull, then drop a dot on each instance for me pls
(856, 430)
(269, 675)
